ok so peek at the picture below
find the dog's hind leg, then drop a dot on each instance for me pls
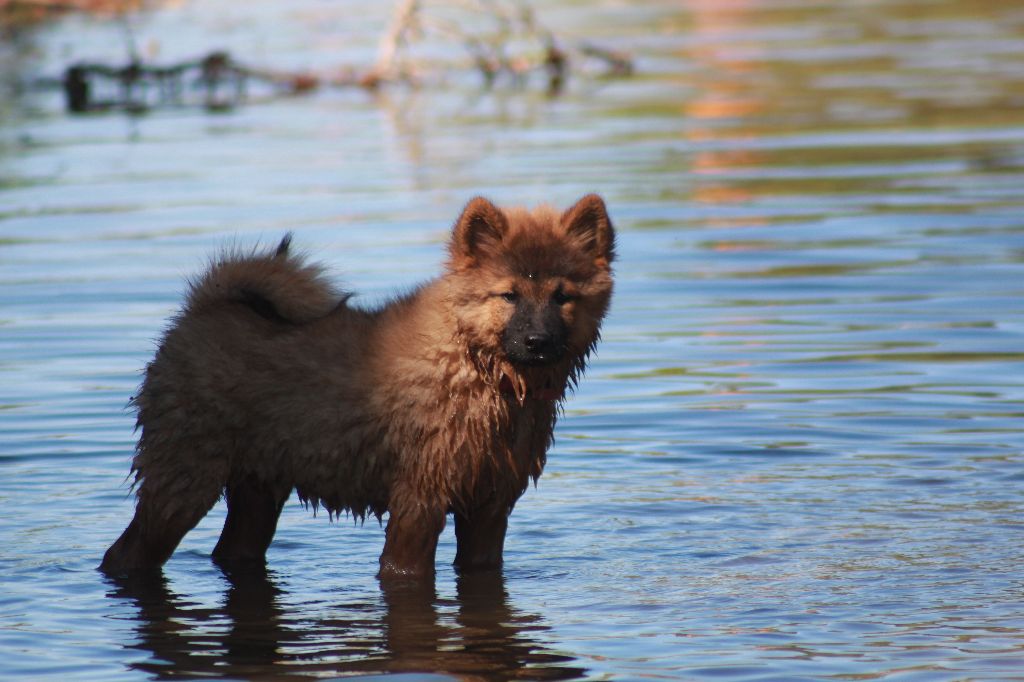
(254, 506)
(162, 518)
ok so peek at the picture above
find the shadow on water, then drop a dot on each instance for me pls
(253, 634)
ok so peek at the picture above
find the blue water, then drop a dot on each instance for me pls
(798, 453)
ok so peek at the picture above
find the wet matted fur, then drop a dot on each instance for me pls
(442, 401)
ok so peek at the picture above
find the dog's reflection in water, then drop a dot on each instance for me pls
(256, 634)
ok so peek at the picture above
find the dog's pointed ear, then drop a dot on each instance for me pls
(588, 222)
(479, 229)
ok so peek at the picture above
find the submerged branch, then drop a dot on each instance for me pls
(217, 80)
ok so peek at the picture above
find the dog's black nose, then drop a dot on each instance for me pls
(536, 343)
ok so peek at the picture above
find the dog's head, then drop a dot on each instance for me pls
(531, 287)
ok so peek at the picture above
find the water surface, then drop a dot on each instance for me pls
(798, 453)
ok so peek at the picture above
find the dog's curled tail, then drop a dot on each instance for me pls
(275, 284)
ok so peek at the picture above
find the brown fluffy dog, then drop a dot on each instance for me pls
(440, 402)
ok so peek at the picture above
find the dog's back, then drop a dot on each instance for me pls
(259, 376)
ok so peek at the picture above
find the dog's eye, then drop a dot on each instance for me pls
(561, 298)
(510, 296)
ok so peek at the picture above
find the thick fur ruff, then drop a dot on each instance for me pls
(442, 401)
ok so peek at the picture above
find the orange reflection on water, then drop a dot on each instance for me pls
(724, 99)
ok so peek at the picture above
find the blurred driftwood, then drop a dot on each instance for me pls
(515, 22)
(215, 81)
(503, 39)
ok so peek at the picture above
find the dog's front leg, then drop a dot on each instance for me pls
(411, 541)
(480, 535)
